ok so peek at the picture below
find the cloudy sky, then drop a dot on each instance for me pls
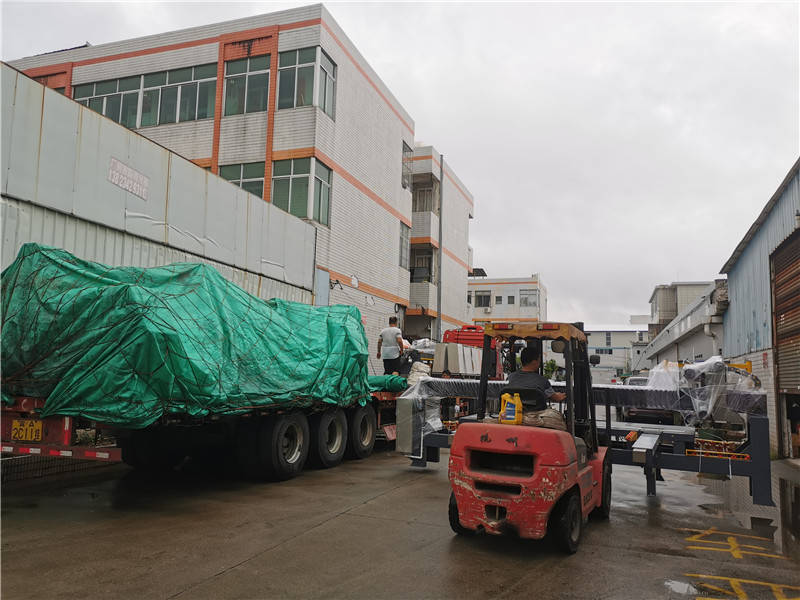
(610, 147)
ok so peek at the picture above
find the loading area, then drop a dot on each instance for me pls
(377, 528)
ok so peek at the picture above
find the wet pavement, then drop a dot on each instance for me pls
(378, 529)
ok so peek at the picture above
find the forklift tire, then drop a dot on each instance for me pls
(567, 523)
(604, 510)
(455, 523)
(361, 426)
(283, 443)
(328, 438)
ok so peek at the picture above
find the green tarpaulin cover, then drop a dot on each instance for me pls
(387, 383)
(126, 346)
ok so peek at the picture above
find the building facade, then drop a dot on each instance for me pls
(284, 106)
(514, 300)
(696, 332)
(762, 323)
(668, 300)
(65, 183)
(441, 258)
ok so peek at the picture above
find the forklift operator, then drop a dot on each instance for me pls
(529, 377)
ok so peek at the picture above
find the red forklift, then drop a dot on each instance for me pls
(525, 480)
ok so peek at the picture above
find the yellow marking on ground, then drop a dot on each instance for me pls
(730, 544)
(738, 591)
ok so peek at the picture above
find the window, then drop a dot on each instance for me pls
(322, 193)
(641, 336)
(326, 98)
(296, 74)
(422, 265)
(292, 190)
(408, 157)
(405, 244)
(422, 200)
(529, 298)
(483, 298)
(175, 96)
(290, 185)
(498, 299)
(603, 351)
(511, 299)
(246, 85)
(469, 297)
(296, 77)
(608, 338)
(248, 176)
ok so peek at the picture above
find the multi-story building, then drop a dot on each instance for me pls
(441, 257)
(514, 300)
(695, 334)
(667, 301)
(284, 106)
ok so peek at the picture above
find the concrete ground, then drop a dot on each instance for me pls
(377, 529)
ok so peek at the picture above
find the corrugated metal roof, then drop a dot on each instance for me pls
(761, 218)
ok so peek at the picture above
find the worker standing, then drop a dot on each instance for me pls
(390, 344)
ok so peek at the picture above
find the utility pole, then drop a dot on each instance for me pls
(441, 246)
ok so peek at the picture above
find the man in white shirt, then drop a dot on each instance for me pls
(390, 344)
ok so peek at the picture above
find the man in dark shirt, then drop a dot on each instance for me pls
(528, 376)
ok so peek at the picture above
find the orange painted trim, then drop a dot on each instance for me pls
(429, 312)
(424, 240)
(48, 71)
(489, 284)
(218, 108)
(272, 98)
(366, 288)
(367, 77)
(455, 258)
(202, 162)
(294, 153)
(446, 174)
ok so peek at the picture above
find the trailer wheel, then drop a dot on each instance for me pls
(455, 523)
(604, 510)
(328, 438)
(567, 523)
(283, 446)
(361, 431)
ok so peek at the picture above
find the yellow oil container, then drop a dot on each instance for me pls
(510, 409)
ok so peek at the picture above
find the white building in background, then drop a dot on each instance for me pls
(516, 300)
(614, 344)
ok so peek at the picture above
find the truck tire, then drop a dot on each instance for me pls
(328, 438)
(246, 448)
(604, 509)
(361, 431)
(455, 523)
(283, 446)
(567, 523)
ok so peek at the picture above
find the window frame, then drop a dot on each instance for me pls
(407, 173)
(498, 300)
(511, 300)
(321, 96)
(525, 295)
(483, 295)
(194, 80)
(608, 339)
(405, 246)
(241, 180)
(246, 74)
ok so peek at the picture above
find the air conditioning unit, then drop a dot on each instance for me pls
(487, 309)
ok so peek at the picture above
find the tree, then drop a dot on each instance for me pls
(550, 368)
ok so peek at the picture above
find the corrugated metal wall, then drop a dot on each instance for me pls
(58, 162)
(748, 320)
